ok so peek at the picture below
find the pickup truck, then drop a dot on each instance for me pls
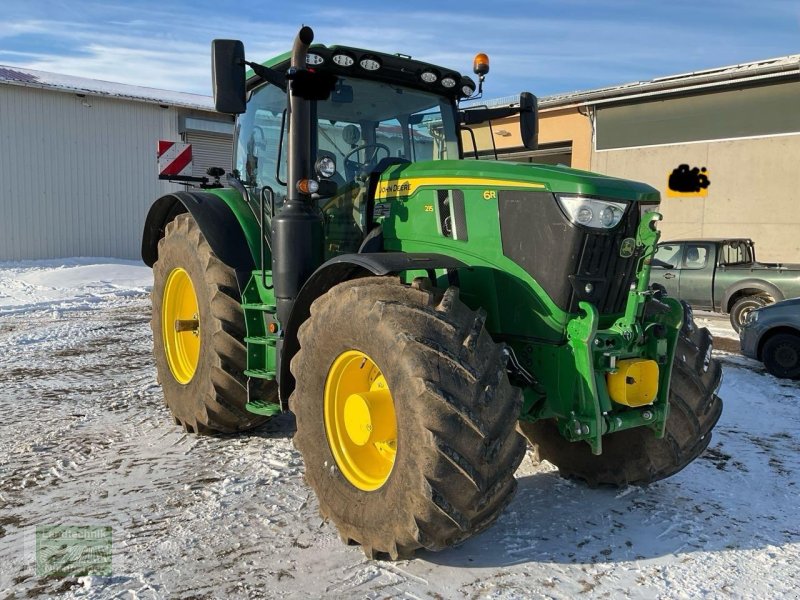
(722, 275)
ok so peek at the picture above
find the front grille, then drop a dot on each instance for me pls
(610, 274)
(564, 258)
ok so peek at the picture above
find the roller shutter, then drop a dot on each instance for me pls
(209, 150)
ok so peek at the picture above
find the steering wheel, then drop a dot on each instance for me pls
(360, 166)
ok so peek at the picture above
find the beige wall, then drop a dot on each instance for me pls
(753, 192)
(555, 126)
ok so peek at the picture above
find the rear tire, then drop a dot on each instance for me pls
(213, 399)
(636, 456)
(781, 355)
(742, 308)
(456, 443)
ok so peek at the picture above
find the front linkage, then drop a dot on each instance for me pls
(619, 377)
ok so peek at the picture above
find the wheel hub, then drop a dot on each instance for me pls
(369, 416)
(360, 420)
(180, 325)
(786, 356)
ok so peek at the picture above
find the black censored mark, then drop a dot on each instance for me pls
(686, 180)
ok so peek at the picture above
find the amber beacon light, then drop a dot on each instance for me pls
(480, 64)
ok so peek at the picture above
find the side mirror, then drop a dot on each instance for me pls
(227, 75)
(529, 120)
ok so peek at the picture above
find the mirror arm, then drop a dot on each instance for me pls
(270, 75)
(473, 116)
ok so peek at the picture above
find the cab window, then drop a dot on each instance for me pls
(736, 252)
(667, 256)
(695, 256)
(258, 133)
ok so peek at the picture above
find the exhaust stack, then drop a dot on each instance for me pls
(297, 229)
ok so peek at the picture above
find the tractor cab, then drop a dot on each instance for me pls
(366, 111)
(362, 127)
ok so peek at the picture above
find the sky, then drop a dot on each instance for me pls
(546, 47)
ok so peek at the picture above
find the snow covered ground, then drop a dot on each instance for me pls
(85, 439)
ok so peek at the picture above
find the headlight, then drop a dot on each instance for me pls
(752, 317)
(325, 167)
(590, 212)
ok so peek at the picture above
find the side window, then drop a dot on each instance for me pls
(735, 252)
(667, 256)
(258, 133)
(695, 256)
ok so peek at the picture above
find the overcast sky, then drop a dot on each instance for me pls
(544, 47)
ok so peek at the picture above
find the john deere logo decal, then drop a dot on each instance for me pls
(627, 247)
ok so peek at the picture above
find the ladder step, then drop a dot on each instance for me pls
(262, 340)
(261, 407)
(259, 306)
(260, 373)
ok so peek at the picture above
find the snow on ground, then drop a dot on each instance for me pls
(69, 284)
(86, 439)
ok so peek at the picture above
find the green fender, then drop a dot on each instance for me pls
(227, 222)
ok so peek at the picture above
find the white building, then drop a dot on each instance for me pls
(78, 160)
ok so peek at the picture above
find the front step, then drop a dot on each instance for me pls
(260, 373)
(270, 308)
(260, 407)
(263, 340)
(258, 302)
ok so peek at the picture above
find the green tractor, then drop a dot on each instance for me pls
(417, 311)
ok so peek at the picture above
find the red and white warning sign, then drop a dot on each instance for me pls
(174, 158)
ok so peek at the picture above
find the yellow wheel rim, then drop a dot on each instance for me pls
(360, 420)
(180, 326)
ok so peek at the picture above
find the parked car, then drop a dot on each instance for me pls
(723, 275)
(772, 335)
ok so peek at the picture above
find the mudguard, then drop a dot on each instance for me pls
(750, 284)
(335, 271)
(219, 224)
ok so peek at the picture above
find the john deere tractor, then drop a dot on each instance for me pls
(415, 309)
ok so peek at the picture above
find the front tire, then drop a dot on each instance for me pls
(781, 355)
(451, 427)
(636, 456)
(200, 368)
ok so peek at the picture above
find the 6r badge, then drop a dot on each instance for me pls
(627, 247)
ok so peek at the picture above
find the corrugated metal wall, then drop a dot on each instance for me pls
(77, 175)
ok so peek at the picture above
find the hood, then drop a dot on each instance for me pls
(496, 174)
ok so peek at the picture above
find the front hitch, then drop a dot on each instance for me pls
(642, 342)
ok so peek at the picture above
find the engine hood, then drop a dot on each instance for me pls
(405, 179)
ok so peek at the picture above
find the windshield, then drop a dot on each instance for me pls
(361, 123)
(366, 121)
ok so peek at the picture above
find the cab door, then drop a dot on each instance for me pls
(665, 267)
